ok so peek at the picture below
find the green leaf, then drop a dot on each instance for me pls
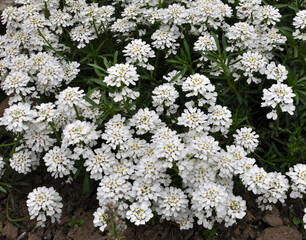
(286, 5)
(296, 221)
(115, 57)
(217, 41)
(187, 50)
(95, 66)
(2, 189)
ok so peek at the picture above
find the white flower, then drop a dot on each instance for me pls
(279, 95)
(100, 218)
(16, 82)
(46, 112)
(278, 73)
(59, 162)
(205, 43)
(220, 118)
(44, 202)
(100, 161)
(204, 147)
(116, 133)
(171, 202)
(198, 84)
(256, 180)
(18, 117)
(138, 52)
(236, 208)
(144, 192)
(123, 26)
(241, 35)
(24, 161)
(185, 219)
(251, 62)
(193, 118)
(268, 14)
(121, 75)
(123, 169)
(150, 170)
(225, 164)
(175, 77)
(168, 147)
(164, 96)
(278, 187)
(246, 138)
(37, 137)
(82, 34)
(299, 20)
(175, 14)
(70, 100)
(144, 121)
(139, 213)
(195, 173)
(210, 196)
(71, 70)
(80, 132)
(113, 188)
(297, 175)
(165, 38)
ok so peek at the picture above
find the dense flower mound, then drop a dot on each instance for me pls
(167, 105)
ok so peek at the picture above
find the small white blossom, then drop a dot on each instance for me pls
(139, 213)
(121, 75)
(138, 52)
(246, 138)
(59, 162)
(44, 202)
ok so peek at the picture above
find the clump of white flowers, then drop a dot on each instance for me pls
(44, 202)
(138, 52)
(278, 95)
(299, 22)
(152, 121)
(297, 176)
(246, 138)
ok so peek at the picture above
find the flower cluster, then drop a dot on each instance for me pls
(44, 202)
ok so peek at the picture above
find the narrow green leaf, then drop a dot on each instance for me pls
(2, 189)
(187, 50)
(115, 57)
(216, 41)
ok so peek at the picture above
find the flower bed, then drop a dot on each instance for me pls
(164, 106)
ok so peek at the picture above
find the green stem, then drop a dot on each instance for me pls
(76, 111)
(22, 97)
(127, 106)
(50, 46)
(95, 27)
(7, 145)
(148, 75)
(14, 147)
(261, 159)
(107, 36)
(14, 220)
(55, 132)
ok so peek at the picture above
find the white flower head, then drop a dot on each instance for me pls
(44, 202)
(139, 52)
